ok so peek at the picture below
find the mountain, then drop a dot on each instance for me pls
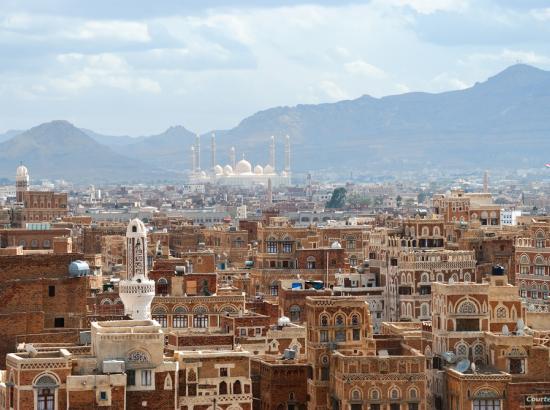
(500, 122)
(59, 150)
(9, 134)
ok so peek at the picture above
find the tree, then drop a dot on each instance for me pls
(338, 198)
(398, 200)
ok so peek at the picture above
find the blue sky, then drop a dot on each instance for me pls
(138, 66)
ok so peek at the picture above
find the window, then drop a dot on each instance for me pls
(162, 287)
(395, 406)
(311, 262)
(350, 244)
(467, 307)
(486, 404)
(540, 240)
(51, 291)
(180, 319)
(271, 247)
(355, 320)
(325, 373)
(323, 336)
(467, 325)
(146, 378)
(131, 377)
(159, 314)
(274, 290)
(339, 320)
(501, 312)
(356, 334)
(243, 332)
(224, 372)
(324, 321)
(295, 313)
(287, 247)
(103, 395)
(59, 322)
(223, 388)
(340, 336)
(413, 406)
(517, 366)
(200, 321)
(539, 266)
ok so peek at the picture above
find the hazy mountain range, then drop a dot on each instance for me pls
(501, 122)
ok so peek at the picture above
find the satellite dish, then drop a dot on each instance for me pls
(30, 349)
(450, 357)
(505, 330)
(520, 325)
(463, 365)
(473, 367)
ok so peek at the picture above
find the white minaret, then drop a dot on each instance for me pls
(213, 152)
(287, 154)
(272, 152)
(137, 290)
(232, 158)
(198, 151)
(193, 160)
(21, 182)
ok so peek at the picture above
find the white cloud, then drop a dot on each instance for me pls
(541, 14)
(431, 6)
(446, 81)
(115, 30)
(506, 56)
(361, 67)
(332, 90)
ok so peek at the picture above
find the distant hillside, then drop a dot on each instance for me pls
(501, 122)
(60, 150)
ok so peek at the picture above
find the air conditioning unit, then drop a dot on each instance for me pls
(113, 366)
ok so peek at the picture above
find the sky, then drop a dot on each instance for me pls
(136, 67)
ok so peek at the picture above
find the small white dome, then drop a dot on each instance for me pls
(258, 169)
(336, 245)
(22, 171)
(268, 169)
(218, 170)
(227, 170)
(203, 173)
(136, 228)
(283, 321)
(243, 167)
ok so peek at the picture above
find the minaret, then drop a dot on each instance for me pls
(137, 290)
(21, 182)
(486, 182)
(213, 152)
(272, 153)
(232, 158)
(193, 160)
(198, 151)
(269, 192)
(309, 191)
(287, 154)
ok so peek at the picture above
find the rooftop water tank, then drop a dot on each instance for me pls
(79, 268)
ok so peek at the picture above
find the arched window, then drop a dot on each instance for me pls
(310, 262)
(424, 310)
(295, 313)
(353, 260)
(223, 388)
(461, 350)
(425, 277)
(425, 231)
(375, 394)
(355, 395)
(478, 350)
(413, 394)
(540, 242)
(501, 313)
(437, 232)
(159, 314)
(524, 265)
(45, 392)
(162, 287)
(467, 277)
(324, 320)
(467, 307)
(339, 320)
(440, 277)
(355, 320)
(394, 394)
(180, 317)
(200, 317)
(539, 265)
(237, 387)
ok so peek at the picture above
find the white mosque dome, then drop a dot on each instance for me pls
(203, 173)
(227, 170)
(22, 171)
(258, 169)
(268, 169)
(243, 167)
(218, 170)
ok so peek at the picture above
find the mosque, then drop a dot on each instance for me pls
(239, 173)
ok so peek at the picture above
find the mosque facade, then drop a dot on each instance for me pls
(241, 173)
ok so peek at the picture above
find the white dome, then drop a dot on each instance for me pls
(203, 174)
(268, 169)
(227, 170)
(258, 170)
(22, 171)
(243, 167)
(218, 170)
(283, 321)
(336, 245)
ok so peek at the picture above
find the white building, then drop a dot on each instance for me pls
(240, 173)
(509, 216)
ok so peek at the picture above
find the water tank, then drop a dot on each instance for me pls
(283, 321)
(113, 366)
(498, 270)
(79, 268)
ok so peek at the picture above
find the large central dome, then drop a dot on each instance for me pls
(243, 167)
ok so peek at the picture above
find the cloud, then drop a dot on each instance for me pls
(112, 30)
(332, 90)
(363, 68)
(431, 6)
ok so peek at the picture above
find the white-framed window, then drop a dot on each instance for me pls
(146, 377)
(487, 404)
(271, 247)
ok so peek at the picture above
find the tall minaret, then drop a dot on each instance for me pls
(232, 158)
(309, 190)
(198, 151)
(193, 160)
(272, 152)
(137, 290)
(287, 154)
(486, 182)
(213, 152)
(269, 192)
(21, 182)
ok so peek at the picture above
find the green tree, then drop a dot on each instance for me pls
(338, 198)
(399, 200)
